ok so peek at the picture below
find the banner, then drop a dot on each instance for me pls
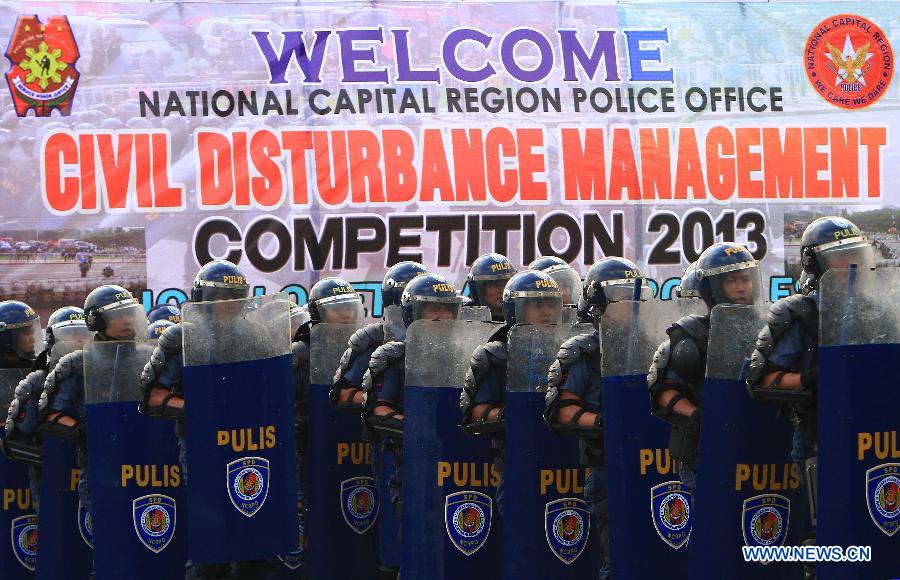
(302, 141)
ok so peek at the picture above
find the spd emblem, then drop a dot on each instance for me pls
(670, 510)
(567, 527)
(765, 520)
(85, 525)
(25, 540)
(293, 560)
(154, 521)
(467, 516)
(883, 495)
(359, 503)
(247, 480)
(42, 73)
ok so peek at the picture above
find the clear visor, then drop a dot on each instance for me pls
(841, 256)
(124, 322)
(428, 310)
(490, 293)
(538, 310)
(737, 286)
(570, 285)
(345, 310)
(619, 291)
(215, 293)
(75, 334)
(299, 317)
(28, 339)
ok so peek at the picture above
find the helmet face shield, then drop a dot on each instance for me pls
(840, 256)
(209, 293)
(490, 292)
(736, 285)
(27, 338)
(622, 290)
(442, 309)
(124, 320)
(569, 282)
(76, 334)
(538, 309)
(341, 309)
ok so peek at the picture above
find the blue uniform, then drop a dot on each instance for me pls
(587, 384)
(390, 386)
(491, 391)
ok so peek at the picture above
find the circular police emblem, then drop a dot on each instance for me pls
(675, 511)
(360, 502)
(886, 497)
(841, 222)
(248, 483)
(468, 520)
(27, 540)
(766, 525)
(155, 521)
(568, 527)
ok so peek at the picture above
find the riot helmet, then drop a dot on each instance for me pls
(429, 297)
(113, 313)
(532, 297)
(334, 300)
(219, 280)
(396, 279)
(487, 279)
(728, 274)
(20, 329)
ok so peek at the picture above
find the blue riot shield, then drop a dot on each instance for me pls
(137, 499)
(342, 502)
(649, 509)
(18, 518)
(859, 446)
(239, 423)
(748, 488)
(63, 548)
(449, 480)
(546, 522)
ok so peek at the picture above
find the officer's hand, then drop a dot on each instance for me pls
(157, 396)
(809, 378)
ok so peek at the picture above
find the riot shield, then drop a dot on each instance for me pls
(339, 520)
(394, 329)
(476, 313)
(239, 423)
(640, 474)
(546, 523)
(18, 557)
(859, 445)
(135, 481)
(748, 488)
(449, 481)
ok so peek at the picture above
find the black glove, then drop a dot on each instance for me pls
(810, 377)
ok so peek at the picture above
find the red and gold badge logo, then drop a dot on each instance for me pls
(42, 74)
(849, 61)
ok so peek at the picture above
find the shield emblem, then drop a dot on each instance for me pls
(567, 527)
(670, 510)
(766, 519)
(359, 503)
(293, 560)
(154, 521)
(883, 497)
(467, 516)
(85, 525)
(24, 532)
(247, 480)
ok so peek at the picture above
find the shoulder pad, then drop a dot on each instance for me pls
(301, 354)
(569, 353)
(659, 364)
(785, 313)
(170, 339)
(485, 356)
(367, 337)
(694, 325)
(688, 359)
(161, 354)
(390, 353)
(71, 364)
(31, 386)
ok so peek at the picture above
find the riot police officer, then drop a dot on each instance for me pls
(425, 297)
(162, 377)
(689, 287)
(486, 279)
(112, 314)
(574, 382)
(20, 327)
(727, 274)
(567, 278)
(164, 312)
(530, 297)
(347, 392)
(155, 329)
(784, 364)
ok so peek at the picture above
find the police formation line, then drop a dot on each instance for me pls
(512, 433)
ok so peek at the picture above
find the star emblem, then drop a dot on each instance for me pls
(850, 64)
